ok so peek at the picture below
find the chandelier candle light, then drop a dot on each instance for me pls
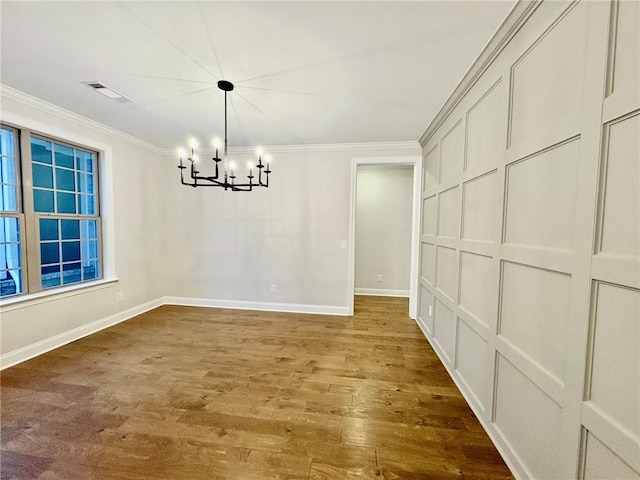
(228, 182)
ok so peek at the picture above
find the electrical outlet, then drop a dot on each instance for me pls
(380, 277)
(274, 289)
(343, 244)
(119, 297)
(430, 311)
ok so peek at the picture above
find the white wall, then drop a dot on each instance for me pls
(231, 247)
(138, 180)
(383, 229)
(530, 267)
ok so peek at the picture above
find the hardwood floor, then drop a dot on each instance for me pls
(197, 393)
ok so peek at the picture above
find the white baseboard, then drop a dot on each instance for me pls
(261, 306)
(38, 348)
(381, 292)
(508, 454)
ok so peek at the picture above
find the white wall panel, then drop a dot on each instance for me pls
(478, 287)
(445, 329)
(430, 169)
(426, 299)
(529, 420)
(473, 361)
(547, 85)
(621, 219)
(480, 208)
(451, 155)
(428, 262)
(429, 215)
(534, 312)
(602, 464)
(449, 213)
(626, 58)
(615, 377)
(541, 195)
(486, 134)
(446, 272)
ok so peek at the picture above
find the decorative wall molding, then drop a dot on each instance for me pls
(38, 348)
(258, 306)
(381, 292)
(34, 102)
(503, 447)
(518, 15)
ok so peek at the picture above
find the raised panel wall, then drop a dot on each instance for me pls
(480, 208)
(536, 207)
(537, 442)
(547, 85)
(534, 311)
(541, 195)
(621, 193)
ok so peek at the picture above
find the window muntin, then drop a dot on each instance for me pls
(68, 251)
(65, 247)
(63, 178)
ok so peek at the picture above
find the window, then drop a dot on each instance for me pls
(57, 203)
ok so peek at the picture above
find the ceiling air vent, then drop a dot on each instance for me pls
(107, 91)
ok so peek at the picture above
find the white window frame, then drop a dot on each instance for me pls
(105, 195)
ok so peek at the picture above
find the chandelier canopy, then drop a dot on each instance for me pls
(228, 179)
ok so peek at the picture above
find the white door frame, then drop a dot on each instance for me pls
(416, 163)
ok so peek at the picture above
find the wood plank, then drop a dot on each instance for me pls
(200, 393)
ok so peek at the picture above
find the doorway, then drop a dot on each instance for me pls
(414, 163)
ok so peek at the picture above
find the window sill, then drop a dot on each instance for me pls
(30, 299)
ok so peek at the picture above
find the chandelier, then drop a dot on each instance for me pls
(228, 179)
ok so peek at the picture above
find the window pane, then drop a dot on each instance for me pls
(10, 257)
(89, 228)
(48, 229)
(87, 206)
(84, 161)
(9, 232)
(65, 180)
(8, 198)
(42, 176)
(90, 249)
(49, 253)
(85, 182)
(66, 202)
(43, 200)
(7, 142)
(64, 156)
(10, 282)
(70, 251)
(91, 270)
(71, 273)
(70, 229)
(8, 170)
(50, 276)
(40, 150)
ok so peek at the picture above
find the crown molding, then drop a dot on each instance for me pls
(31, 101)
(512, 23)
(413, 146)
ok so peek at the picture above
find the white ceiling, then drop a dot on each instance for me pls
(305, 72)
